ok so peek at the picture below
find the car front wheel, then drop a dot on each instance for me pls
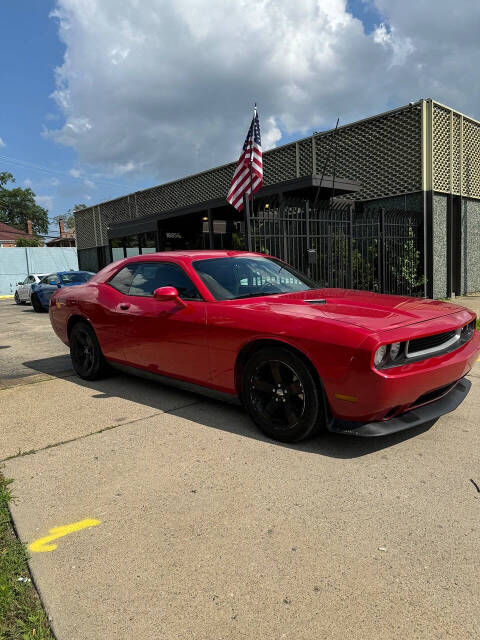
(281, 395)
(87, 357)
(17, 298)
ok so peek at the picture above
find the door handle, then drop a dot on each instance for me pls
(124, 306)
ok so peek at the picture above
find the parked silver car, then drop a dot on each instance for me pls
(22, 292)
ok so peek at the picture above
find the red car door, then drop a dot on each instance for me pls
(163, 336)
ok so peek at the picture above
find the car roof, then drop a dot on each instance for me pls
(68, 271)
(185, 257)
(190, 256)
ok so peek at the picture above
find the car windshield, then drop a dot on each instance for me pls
(76, 277)
(234, 278)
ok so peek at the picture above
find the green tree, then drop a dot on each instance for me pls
(18, 205)
(29, 242)
(69, 217)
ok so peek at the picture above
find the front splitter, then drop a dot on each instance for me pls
(413, 418)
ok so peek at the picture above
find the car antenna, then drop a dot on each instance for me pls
(317, 196)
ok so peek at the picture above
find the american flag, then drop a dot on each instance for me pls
(248, 176)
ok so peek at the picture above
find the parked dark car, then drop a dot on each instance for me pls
(41, 292)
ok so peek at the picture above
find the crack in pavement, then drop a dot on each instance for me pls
(31, 452)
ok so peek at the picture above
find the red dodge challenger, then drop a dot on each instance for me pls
(240, 325)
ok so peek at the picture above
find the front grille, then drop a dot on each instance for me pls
(430, 342)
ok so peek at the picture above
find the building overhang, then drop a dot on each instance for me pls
(302, 187)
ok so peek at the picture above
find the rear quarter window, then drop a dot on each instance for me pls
(123, 279)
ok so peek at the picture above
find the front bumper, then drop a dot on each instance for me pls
(414, 418)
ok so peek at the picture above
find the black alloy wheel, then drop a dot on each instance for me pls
(87, 357)
(281, 395)
(36, 304)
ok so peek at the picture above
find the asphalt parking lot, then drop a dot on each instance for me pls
(204, 529)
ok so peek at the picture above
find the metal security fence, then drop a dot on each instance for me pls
(374, 249)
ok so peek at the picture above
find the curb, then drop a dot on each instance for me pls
(6, 297)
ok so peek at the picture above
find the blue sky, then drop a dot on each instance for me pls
(153, 95)
(30, 50)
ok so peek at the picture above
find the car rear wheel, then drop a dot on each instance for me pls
(36, 304)
(87, 357)
(281, 395)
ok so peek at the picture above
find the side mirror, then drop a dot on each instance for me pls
(53, 282)
(168, 293)
(59, 286)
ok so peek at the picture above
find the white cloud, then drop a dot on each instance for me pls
(75, 173)
(400, 48)
(89, 183)
(45, 201)
(167, 87)
(28, 183)
(2, 143)
(128, 167)
(271, 134)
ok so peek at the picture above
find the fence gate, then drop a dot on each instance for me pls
(376, 249)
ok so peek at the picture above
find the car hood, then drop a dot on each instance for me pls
(372, 311)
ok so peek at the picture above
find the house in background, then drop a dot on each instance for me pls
(65, 239)
(9, 235)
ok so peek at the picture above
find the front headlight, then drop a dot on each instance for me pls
(380, 355)
(389, 355)
(395, 350)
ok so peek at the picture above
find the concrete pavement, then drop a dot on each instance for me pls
(208, 530)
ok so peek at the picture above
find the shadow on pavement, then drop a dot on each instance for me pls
(218, 415)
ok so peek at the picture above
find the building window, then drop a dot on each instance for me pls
(118, 252)
(148, 242)
(132, 245)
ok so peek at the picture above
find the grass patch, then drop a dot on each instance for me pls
(478, 324)
(21, 614)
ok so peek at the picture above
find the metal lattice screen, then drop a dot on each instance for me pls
(455, 152)
(383, 153)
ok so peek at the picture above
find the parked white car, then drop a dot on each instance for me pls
(22, 292)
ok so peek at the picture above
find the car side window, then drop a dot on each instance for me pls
(123, 278)
(152, 275)
(31, 279)
(46, 279)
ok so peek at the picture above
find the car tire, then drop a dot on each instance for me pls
(17, 298)
(87, 357)
(282, 395)
(36, 304)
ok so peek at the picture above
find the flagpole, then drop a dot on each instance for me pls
(251, 156)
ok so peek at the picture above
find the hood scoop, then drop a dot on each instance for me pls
(316, 301)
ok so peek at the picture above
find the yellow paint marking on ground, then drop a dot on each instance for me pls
(42, 544)
(340, 396)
